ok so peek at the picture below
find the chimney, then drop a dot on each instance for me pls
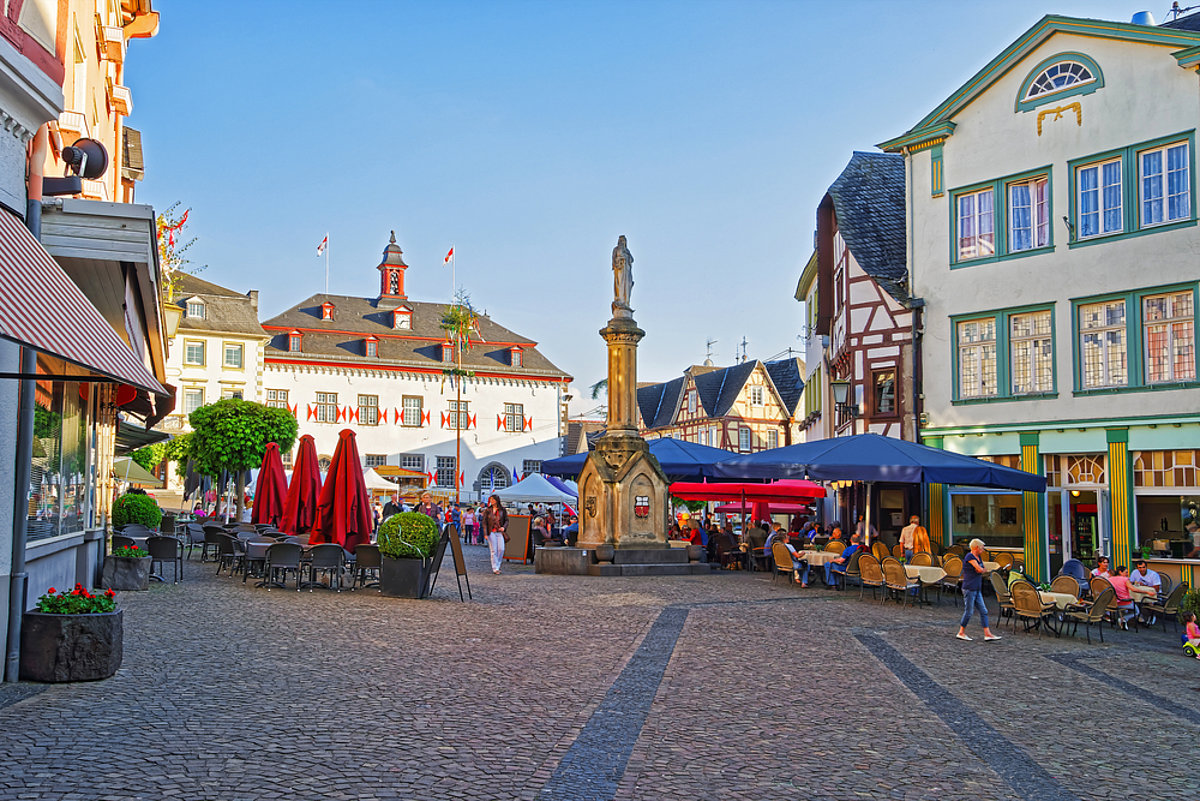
(253, 295)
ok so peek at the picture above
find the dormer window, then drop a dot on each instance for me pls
(372, 348)
(195, 309)
(402, 318)
(295, 342)
(327, 311)
(447, 352)
(516, 357)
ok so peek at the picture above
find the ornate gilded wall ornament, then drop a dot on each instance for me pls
(1057, 111)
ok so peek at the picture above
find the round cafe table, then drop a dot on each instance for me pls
(1060, 599)
(818, 558)
(926, 574)
(1141, 594)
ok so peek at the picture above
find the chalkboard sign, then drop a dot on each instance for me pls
(517, 547)
(460, 564)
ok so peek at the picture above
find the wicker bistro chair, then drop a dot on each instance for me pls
(256, 557)
(212, 542)
(922, 558)
(1062, 583)
(366, 561)
(166, 527)
(835, 546)
(880, 551)
(1003, 559)
(1003, 597)
(870, 574)
(896, 580)
(1165, 589)
(163, 550)
(1093, 613)
(230, 552)
(1169, 607)
(282, 558)
(853, 571)
(195, 538)
(1098, 584)
(897, 551)
(957, 550)
(137, 530)
(1028, 606)
(328, 558)
(782, 558)
(953, 567)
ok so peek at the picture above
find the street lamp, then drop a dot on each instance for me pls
(841, 398)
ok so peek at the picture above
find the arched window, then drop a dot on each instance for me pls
(1059, 76)
(494, 477)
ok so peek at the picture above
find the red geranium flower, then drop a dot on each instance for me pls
(51, 591)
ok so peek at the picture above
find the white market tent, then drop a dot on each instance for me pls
(377, 483)
(534, 488)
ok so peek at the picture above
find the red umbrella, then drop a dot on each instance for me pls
(271, 489)
(764, 508)
(344, 510)
(300, 507)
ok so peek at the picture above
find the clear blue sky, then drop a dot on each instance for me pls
(530, 135)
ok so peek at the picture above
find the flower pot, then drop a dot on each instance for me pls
(57, 648)
(404, 578)
(694, 553)
(605, 552)
(126, 573)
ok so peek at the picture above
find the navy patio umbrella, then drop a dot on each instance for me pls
(680, 460)
(873, 457)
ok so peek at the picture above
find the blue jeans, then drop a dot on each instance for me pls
(803, 568)
(908, 555)
(973, 599)
(830, 569)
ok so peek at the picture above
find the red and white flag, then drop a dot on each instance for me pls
(449, 257)
(324, 244)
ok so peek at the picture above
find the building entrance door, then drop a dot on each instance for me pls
(1084, 524)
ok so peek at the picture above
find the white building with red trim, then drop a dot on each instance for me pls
(381, 366)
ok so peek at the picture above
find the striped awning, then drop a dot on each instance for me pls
(42, 308)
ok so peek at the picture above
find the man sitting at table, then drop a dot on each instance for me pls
(1146, 578)
(840, 564)
(777, 533)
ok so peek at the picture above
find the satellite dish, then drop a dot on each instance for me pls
(87, 158)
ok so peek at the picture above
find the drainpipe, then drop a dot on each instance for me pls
(24, 453)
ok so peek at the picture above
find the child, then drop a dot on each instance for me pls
(1191, 635)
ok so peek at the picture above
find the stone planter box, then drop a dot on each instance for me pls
(58, 648)
(126, 573)
(404, 578)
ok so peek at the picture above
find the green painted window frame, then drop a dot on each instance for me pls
(1097, 81)
(1000, 217)
(1131, 206)
(1004, 391)
(1135, 356)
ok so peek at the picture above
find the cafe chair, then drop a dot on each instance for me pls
(922, 559)
(1098, 584)
(1004, 559)
(282, 558)
(367, 563)
(835, 546)
(1067, 584)
(870, 574)
(1028, 606)
(230, 553)
(195, 538)
(1075, 569)
(897, 551)
(166, 526)
(952, 564)
(1004, 598)
(879, 551)
(163, 550)
(121, 541)
(957, 550)
(896, 580)
(852, 569)
(1169, 607)
(783, 561)
(328, 558)
(1165, 589)
(1093, 613)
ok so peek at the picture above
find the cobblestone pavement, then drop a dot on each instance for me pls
(725, 686)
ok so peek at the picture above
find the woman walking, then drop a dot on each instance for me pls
(495, 523)
(972, 589)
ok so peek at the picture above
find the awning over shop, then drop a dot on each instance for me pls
(42, 308)
(125, 469)
(130, 437)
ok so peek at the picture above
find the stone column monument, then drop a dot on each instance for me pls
(622, 490)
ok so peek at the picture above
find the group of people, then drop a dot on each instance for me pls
(1121, 579)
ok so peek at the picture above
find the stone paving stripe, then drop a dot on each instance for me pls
(1027, 778)
(594, 764)
(1165, 704)
(14, 693)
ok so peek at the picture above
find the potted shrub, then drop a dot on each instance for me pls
(406, 544)
(72, 636)
(136, 507)
(126, 569)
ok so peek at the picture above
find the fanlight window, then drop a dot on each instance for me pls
(1056, 77)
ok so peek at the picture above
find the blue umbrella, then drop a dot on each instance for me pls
(872, 457)
(680, 460)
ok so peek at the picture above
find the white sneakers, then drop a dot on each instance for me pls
(991, 638)
(963, 637)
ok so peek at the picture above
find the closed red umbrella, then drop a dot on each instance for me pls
(271, 489)
(344, 510)
(783, 490)
(300, 506)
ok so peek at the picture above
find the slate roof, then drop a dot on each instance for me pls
(720, 388)
(868, 198)
(1189, 23)
(225, 311)
(788, 377)
(658, 402)
(354, 319)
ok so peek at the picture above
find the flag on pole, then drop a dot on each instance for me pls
(449, 257)
(324, 244)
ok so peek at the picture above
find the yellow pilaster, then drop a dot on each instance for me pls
(1037, 546)
(1120, 488)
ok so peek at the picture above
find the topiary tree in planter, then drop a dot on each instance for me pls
(136, 508)
(407, 542)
